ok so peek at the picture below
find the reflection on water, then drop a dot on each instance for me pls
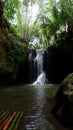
(31, 100)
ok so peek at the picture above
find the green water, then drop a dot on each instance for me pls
(31, 100)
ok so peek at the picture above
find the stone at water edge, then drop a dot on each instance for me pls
(67, 85)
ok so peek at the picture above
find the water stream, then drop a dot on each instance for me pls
(36, 72)
(29, 99)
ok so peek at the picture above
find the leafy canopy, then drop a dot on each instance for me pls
(52, 20)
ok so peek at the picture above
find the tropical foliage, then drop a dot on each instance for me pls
(13, 48)
(54, 17)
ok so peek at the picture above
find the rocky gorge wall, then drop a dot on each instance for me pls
(58, 62)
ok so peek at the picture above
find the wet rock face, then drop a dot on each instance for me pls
(67, 85)
(47, 64)
(6, 78)
(22, 74)
(58, 62)
(67, 110)
(32, 71)
(27, 70)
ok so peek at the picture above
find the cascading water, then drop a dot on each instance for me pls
(36, 68)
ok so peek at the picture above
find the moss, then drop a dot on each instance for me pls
(68, 85)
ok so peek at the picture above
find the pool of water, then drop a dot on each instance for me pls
(31, 100)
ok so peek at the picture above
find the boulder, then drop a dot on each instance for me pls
(66, 88)
(67, 85)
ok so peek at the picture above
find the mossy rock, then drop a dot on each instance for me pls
(67, 110)
(67, 85)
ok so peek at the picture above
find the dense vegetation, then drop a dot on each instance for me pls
(13, 49)
(21, 27)
(53, 19)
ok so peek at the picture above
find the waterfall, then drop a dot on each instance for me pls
(36, 72)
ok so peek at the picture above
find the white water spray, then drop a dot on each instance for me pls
(41, 76)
